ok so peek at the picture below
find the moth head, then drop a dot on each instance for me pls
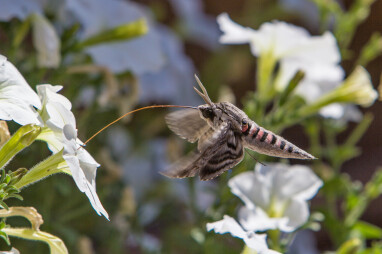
(210, 113)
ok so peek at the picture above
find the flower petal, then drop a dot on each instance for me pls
(13, 84)
(257, 220)
(48, 92)
(233, 33)
(280, 38)
(57, 107)
(335, 111)
(85, 182)
(227, 225)
(46, 42)
(319, 78)
(297, 214)
(16, 110)
(251, 189)
(296, 181)
(254, 241)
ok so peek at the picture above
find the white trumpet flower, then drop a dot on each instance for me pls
(275, 196)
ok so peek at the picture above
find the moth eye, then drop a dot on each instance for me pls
(244, 126)
(208, 113)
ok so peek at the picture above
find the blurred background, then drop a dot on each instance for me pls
(104, 79)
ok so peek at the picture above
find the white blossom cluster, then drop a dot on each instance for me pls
(295, 49)
(51, 111)
(275, 197)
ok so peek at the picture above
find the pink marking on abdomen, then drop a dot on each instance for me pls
(269, 137)
(260, 134)
(253, 129)
(278, 142)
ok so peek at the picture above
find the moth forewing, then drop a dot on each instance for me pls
(187, 124)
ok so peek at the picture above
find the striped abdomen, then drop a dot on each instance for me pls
(266, 142)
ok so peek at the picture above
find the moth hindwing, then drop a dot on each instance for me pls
(222, 131)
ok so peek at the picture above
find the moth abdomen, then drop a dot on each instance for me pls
(266, 142)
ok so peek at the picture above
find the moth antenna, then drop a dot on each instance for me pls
(253, 157)
(204, 95)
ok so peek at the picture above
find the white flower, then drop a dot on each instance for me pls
(342, 113)
(319, 78)
(357, 88)
(317, 56)
(61, 134)
(283, 40)
(254, 241)
(16, 97)
(140, 55)
(275, 196)
(83, 168)
(56, 107)
(46, 42)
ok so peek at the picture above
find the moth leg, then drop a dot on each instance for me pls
(253, 157)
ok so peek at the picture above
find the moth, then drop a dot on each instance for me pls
(223, 131)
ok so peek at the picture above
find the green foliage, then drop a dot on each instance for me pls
(7, 185)
(119, 33)
(4, 235)
(23, 138)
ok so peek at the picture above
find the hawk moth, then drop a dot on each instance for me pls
(222, 131)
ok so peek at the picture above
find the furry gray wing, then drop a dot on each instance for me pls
(224, 152)
(208, 138)
(187, 124)
(229, 152)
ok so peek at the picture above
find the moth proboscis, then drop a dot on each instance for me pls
(223, 131)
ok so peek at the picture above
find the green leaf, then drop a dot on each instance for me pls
(2, 172)
(360, 130)
(371, 191)
(119, 33)
(17, 175)
(23, 138)
(371, 50)
(52, 165)
(4, 236)
(291, 86)
(56, 245)
(4, 205)
(21, 32)
(376, 248)
(374, 187)
(350, 246)
(367, 230)
(15, 196)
